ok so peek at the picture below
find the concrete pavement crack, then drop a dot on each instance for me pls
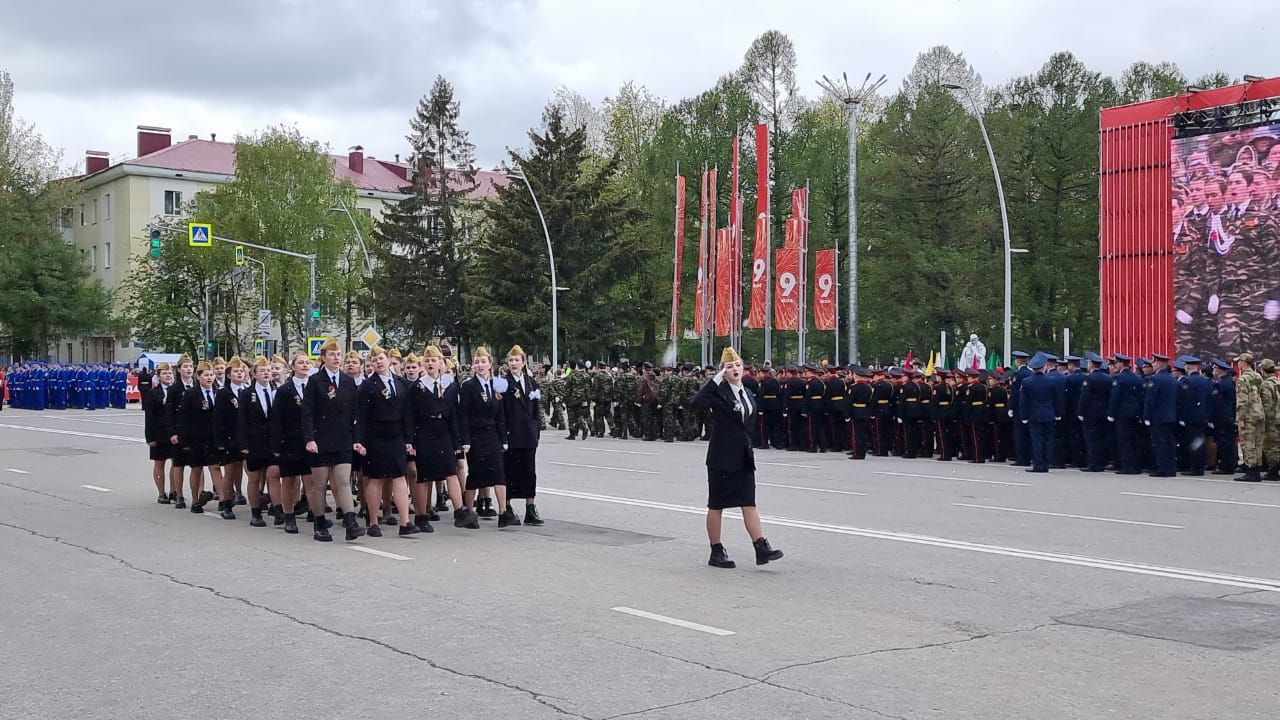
(537, 697)
(712, 696)
(1238, 594)
(48, 495)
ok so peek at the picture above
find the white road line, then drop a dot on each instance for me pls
(99, 422)
(1233, 482)
(1196, 499)
(16, 470)
(1065, 515)
(379, 553)
(673, 621)
(791, 465)
(603, 467)
(628, 452)
(95, 487)
(947, 477)
(1126, 566)
(811, 489)
(77, 433)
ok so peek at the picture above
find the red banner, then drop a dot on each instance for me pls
(759, 273)
(800, 212)
(679, 260)
(824, 290)
(791, 234)
(786, 291)
(700, 296)
(762, 169)
(724, 284)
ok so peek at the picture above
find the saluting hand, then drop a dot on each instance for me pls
(408, 448)
(312, 447)
(359, 448)
(466, 449)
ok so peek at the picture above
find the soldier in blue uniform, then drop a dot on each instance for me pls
(39, 388)
(1039, 408)
(87, 393)
(1091, 409)
(1222, 418)
(1057, 453)
(1194, 403)
(1160, 416)
(1021, 433)
(1072, 427)
(1124, 408)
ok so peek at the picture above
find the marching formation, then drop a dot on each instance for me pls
(67, 386)
(393, 440)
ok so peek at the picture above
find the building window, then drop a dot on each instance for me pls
(93, 216)
(66, 219)
(81, 214)
(106, 207)
(172, 202)
(106, 256)
(93, 258)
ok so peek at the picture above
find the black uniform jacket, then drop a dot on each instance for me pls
(730, 447)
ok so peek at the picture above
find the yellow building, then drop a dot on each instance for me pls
(118, 200)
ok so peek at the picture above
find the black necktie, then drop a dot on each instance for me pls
(746, 407)
(391, 386)
(208, 396)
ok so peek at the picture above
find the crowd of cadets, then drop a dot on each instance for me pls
(66, 386)
(383, 435)
(1127, 415)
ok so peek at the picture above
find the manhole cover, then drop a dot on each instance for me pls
(1207, 622)
(579, 533)
(63, 451)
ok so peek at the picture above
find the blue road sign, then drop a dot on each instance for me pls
(313, 345)
(200, 235)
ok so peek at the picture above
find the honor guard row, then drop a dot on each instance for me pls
(66, 386)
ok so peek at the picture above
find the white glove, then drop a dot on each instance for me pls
(1057, 419)
(1110, 419)
(504, 446)
(1080, 418)
(1271, 310)
(1025, 422)
(1010, 413)
(1213, 304)
(719, 378)
(499, 384)
(446, 380)
(1183, 423)
(1210, 426)
(535, 395)
(1147, 423)
(1183, 317)
(899, 421)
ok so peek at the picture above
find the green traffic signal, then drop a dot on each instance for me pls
(155, 243)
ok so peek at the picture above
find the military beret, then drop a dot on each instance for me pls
(647, 366)
(1020, 354)
(1160, 356)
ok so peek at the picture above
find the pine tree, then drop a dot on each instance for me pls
(420, 240)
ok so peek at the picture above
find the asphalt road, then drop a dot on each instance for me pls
(910, 589)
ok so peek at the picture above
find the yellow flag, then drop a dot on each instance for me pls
(929, 370)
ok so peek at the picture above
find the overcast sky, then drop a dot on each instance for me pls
(350, 72)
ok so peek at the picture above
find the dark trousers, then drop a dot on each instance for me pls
(910, 437)
(884, 432)
(1095, 444)
(1163, 450)
(1000, 441)
(1228, 454)
(946, 444)
(860, 437)
(1128, 446)
(774, 429)
(1043, 437)
(1021, 443)
(819, 427)
(1073, 429)
(798, 431)
(1193, 448)
(978, 441)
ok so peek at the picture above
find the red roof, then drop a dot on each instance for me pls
(218, 158)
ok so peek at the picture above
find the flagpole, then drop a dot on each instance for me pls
(835, 287)
(803, 326)
(704, 255)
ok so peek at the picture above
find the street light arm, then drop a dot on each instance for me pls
(551, 258)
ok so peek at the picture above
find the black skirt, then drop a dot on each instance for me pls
(522, 476)
(727, 489)
(330, 459)
(254, 463)
(484, 461)
(162, 450)
(293, 460)
(385, 457)
(435, 458)
(178, 455)
(199, 455)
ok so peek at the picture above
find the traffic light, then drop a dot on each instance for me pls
(315, 315)
(155, 244)
(239, 254)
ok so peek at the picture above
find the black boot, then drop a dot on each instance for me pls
(228, 509)
(374, 530)
(423, 523)
(1250, 475)
(352, 525)
(442, 505)
(466, 518)
(291, 523)
(164, 499)
(300, 507)
(179, 502)
(409, 529)
(277, 512)
(242, 500)
(484, 508)
(321, 531)
(720, 558)
(764, 553)
(256, 520)
(531, 516)
(1273, 474)
(508, 518)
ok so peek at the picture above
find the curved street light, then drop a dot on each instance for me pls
(517, 173)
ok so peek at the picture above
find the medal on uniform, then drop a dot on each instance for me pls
(333, 392)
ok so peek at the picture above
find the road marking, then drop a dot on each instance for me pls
(16, 470)
(1233, 482)
(1065, 515)
(1196, 499)
(99, 422)
(812, 489)
(95, 487)
(674, 621)
(628, 452)
(1126, 566)
(77, 433)
(792, 465)
(603, 467)
(379, 553)
(947, 477)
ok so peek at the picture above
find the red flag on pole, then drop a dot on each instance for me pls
(700, 296)
(759, 272)
(824, 290)
(907, 363)
(762, 169)
(786, 293)
(724, 284)
(679, 261)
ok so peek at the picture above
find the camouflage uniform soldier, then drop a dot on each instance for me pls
(577, 390)
(648, 399)
(1250, 418)
(601, 397)
(669, 392)
(555, 388)
(688, 388)
(1250, 300)
(623, 423)
(1271, 411)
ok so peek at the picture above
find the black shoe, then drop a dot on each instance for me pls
(205, 497)
(433, 516)
(1249, 475)
(321, 533)
(466, 518)
(531, 516)
(374, 531)
(164, 500)
(277, 512)
(765, 553)
(1272, 475)
(442, 505)
(572, 437)
(197, 508)
(423, 524)
(720, 558)
(180, 503)
(409, 530)
(352, 525)
(484, 509)
(291, 523)
(300, 507)
(508, 519)
(242, 500)
(257, 521)
(172, 495)
(228, 510)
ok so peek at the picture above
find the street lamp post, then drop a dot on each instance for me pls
(1004, 221)
(518, 174)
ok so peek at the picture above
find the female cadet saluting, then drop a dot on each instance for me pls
(731, 476)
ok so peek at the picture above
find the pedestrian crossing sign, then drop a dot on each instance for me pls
(258, 346)
(200, 235)
(314, 344)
